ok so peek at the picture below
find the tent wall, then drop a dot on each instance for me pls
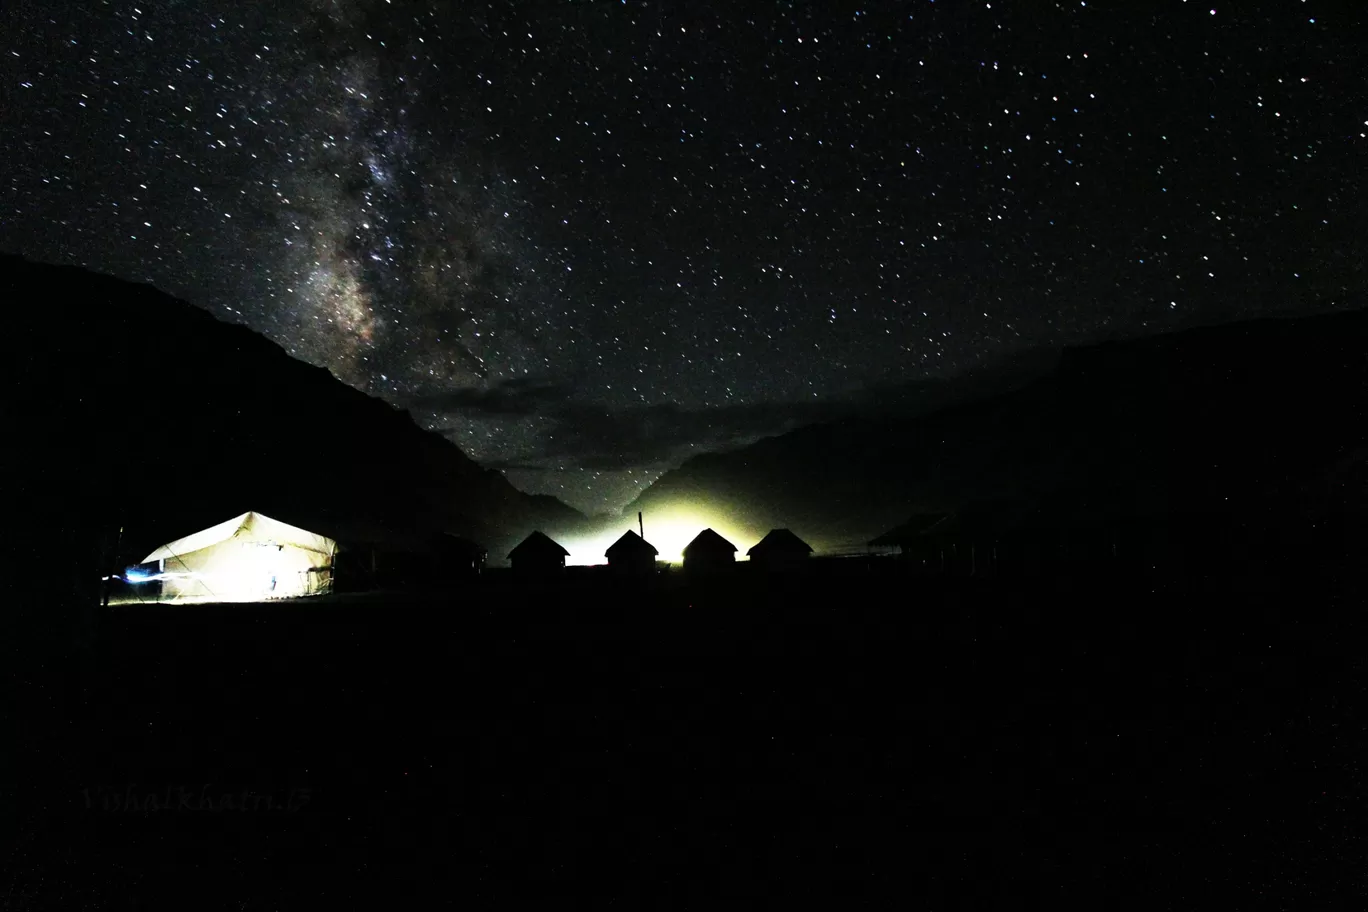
(248, 558)
(238, 570)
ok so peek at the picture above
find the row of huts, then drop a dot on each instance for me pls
(631, 554)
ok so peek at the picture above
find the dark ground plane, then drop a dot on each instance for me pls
(845, 737)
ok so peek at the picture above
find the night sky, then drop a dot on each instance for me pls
(586, 239)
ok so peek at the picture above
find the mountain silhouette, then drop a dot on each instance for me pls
(135, 418)
(1261, 417)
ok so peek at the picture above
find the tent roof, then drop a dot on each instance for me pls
(247, 527)
(708, 540)
(630, 543)
(780, 540)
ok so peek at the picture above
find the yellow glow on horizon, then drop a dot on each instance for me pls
(669, 529)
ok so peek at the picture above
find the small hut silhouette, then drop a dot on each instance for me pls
(538, 554)
(632, 554)
(709, 551)
(918, 539)
(780, 550)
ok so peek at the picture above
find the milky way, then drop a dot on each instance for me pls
(585, 240)
(395, 265)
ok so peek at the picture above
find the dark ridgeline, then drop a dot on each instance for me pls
(538, 555)
(631, 555)
(709, 552)
(780, 551)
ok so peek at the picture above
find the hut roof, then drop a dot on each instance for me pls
(780, 541)
(708, 542)
(538, 543)
(628, 545)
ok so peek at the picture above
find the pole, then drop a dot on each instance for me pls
(110, 564)
(641, 526)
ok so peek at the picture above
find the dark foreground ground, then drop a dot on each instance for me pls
(854, 740)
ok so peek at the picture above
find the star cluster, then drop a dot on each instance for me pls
(587, 239)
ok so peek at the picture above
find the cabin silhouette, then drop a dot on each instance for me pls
(455, 556)
(632, 554)
(538, 554)
(920, 539)
(780, 549)
(968, 541)
(709, 551)
(383, 559)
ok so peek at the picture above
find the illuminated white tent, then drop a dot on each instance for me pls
(249, 558)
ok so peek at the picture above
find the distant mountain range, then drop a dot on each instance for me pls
(133, 411)
(137, 418)
(1262, 416)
